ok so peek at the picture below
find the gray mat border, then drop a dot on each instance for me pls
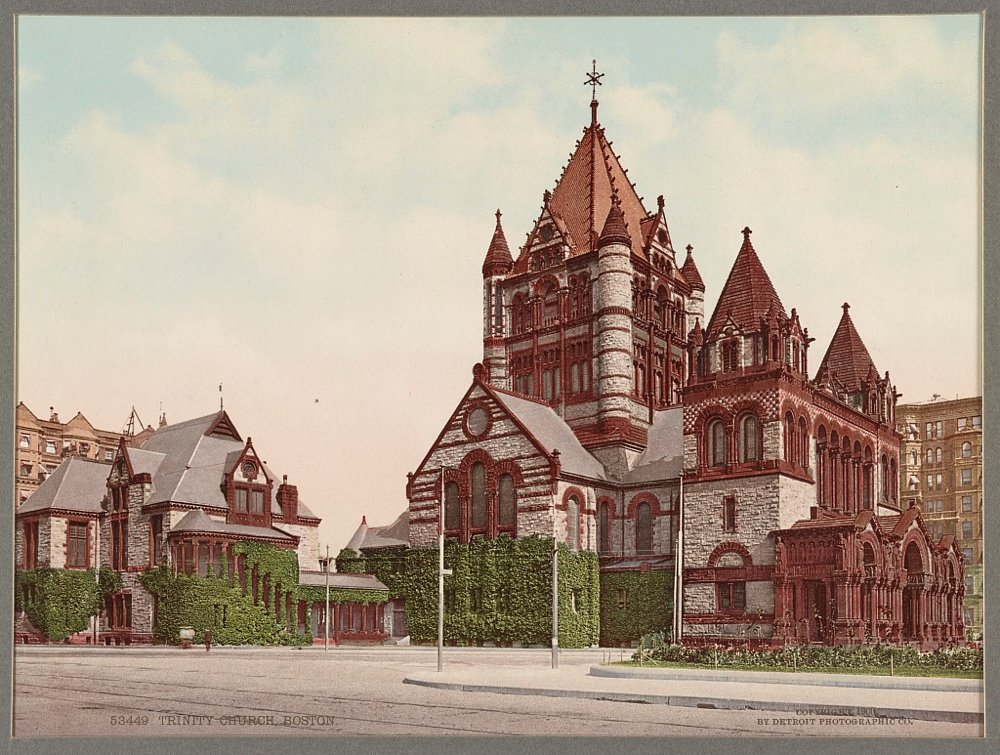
(991, 357)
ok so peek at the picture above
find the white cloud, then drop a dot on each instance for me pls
(825, 63)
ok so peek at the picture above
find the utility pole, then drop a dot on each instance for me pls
(442, 573)
(97, 576)
(326, 616)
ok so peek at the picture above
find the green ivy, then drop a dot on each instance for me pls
(349, 561)
(60, 602)
(500, 591)
(648, 606)
(211, 603)
(313, 594)
(388, 564)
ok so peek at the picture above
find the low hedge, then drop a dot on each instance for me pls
(842, 656)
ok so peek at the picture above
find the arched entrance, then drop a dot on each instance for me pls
(912, 593)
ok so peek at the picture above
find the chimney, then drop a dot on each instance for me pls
(53, 417)
(288, 500)
(163, 419)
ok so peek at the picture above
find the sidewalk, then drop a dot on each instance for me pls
(921, 699)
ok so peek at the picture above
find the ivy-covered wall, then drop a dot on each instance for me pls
(60, 602)
(648, 605)
(500, 591)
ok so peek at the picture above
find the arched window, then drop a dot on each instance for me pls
(749, 438)
(885, 476)
(573, 522)
(930, 455)
(478, 497)
(803, 443)
(938, 455)
(789, 427)
(452, 507)
(507, 514)
(966, 450)
(914, 458)
(893, 478)
(604, 528)
(643, 529)
(717, 455)
(550, 306)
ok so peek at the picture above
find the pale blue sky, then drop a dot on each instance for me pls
(298, 208)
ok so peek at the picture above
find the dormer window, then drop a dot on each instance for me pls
(249, 500)
(730, 356)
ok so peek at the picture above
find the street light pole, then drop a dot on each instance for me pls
(326, 616)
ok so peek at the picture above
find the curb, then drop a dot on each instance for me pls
(917, 683)
(719, 703)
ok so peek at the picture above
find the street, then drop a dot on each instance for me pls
(252, 692)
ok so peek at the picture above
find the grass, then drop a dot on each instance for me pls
(950, 673)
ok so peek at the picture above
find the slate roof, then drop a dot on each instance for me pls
(552, 432)
(498, 257)
(342, 581)
(192, 464)
(199, 521)
(397, 533)
(145, 461)
(690, 272)
(582, 197)
(748, 294)
(663, 457)
(847, 357)
(78, 484)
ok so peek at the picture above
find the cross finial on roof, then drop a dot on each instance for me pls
(689, 248)
(746, 233)
(594, 80)
(498, 215)
(846, 307)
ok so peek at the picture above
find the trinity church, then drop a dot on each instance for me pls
(611, 412)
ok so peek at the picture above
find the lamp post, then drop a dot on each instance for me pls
(679, 569)
(326, 615)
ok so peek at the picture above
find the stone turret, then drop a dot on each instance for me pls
(614, 326)
(498, 263)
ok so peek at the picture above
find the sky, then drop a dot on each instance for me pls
(298, 209)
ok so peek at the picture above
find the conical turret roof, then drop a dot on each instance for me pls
(748, 295)
(582, 198)
(498, 260)
(615, 230)
(847, 357)
(690, 271)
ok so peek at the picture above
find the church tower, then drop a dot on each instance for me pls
(497, 264)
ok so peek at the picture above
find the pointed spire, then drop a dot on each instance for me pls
(690, 271)
(615, 230)
(748, 295)
(498, 260)
(847, 356)
(697, 335)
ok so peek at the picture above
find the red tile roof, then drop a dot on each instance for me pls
(690, 271)
(614, 231)
(847, 357)
(582, 197)
(748, 294)
(498, 260)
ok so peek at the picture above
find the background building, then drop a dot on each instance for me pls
(941, 468)
(42, 445)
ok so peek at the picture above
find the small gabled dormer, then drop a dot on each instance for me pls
(248, 488)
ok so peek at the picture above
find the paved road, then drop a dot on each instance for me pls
(65, 691)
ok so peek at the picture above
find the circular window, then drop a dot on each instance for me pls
(249, 470)
(546, 233)
(478, 421)
(662, 236)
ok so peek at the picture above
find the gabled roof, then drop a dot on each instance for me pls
(78, 484)
(550, 431)
(748, 295)
(847, 357)
(582, 197)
